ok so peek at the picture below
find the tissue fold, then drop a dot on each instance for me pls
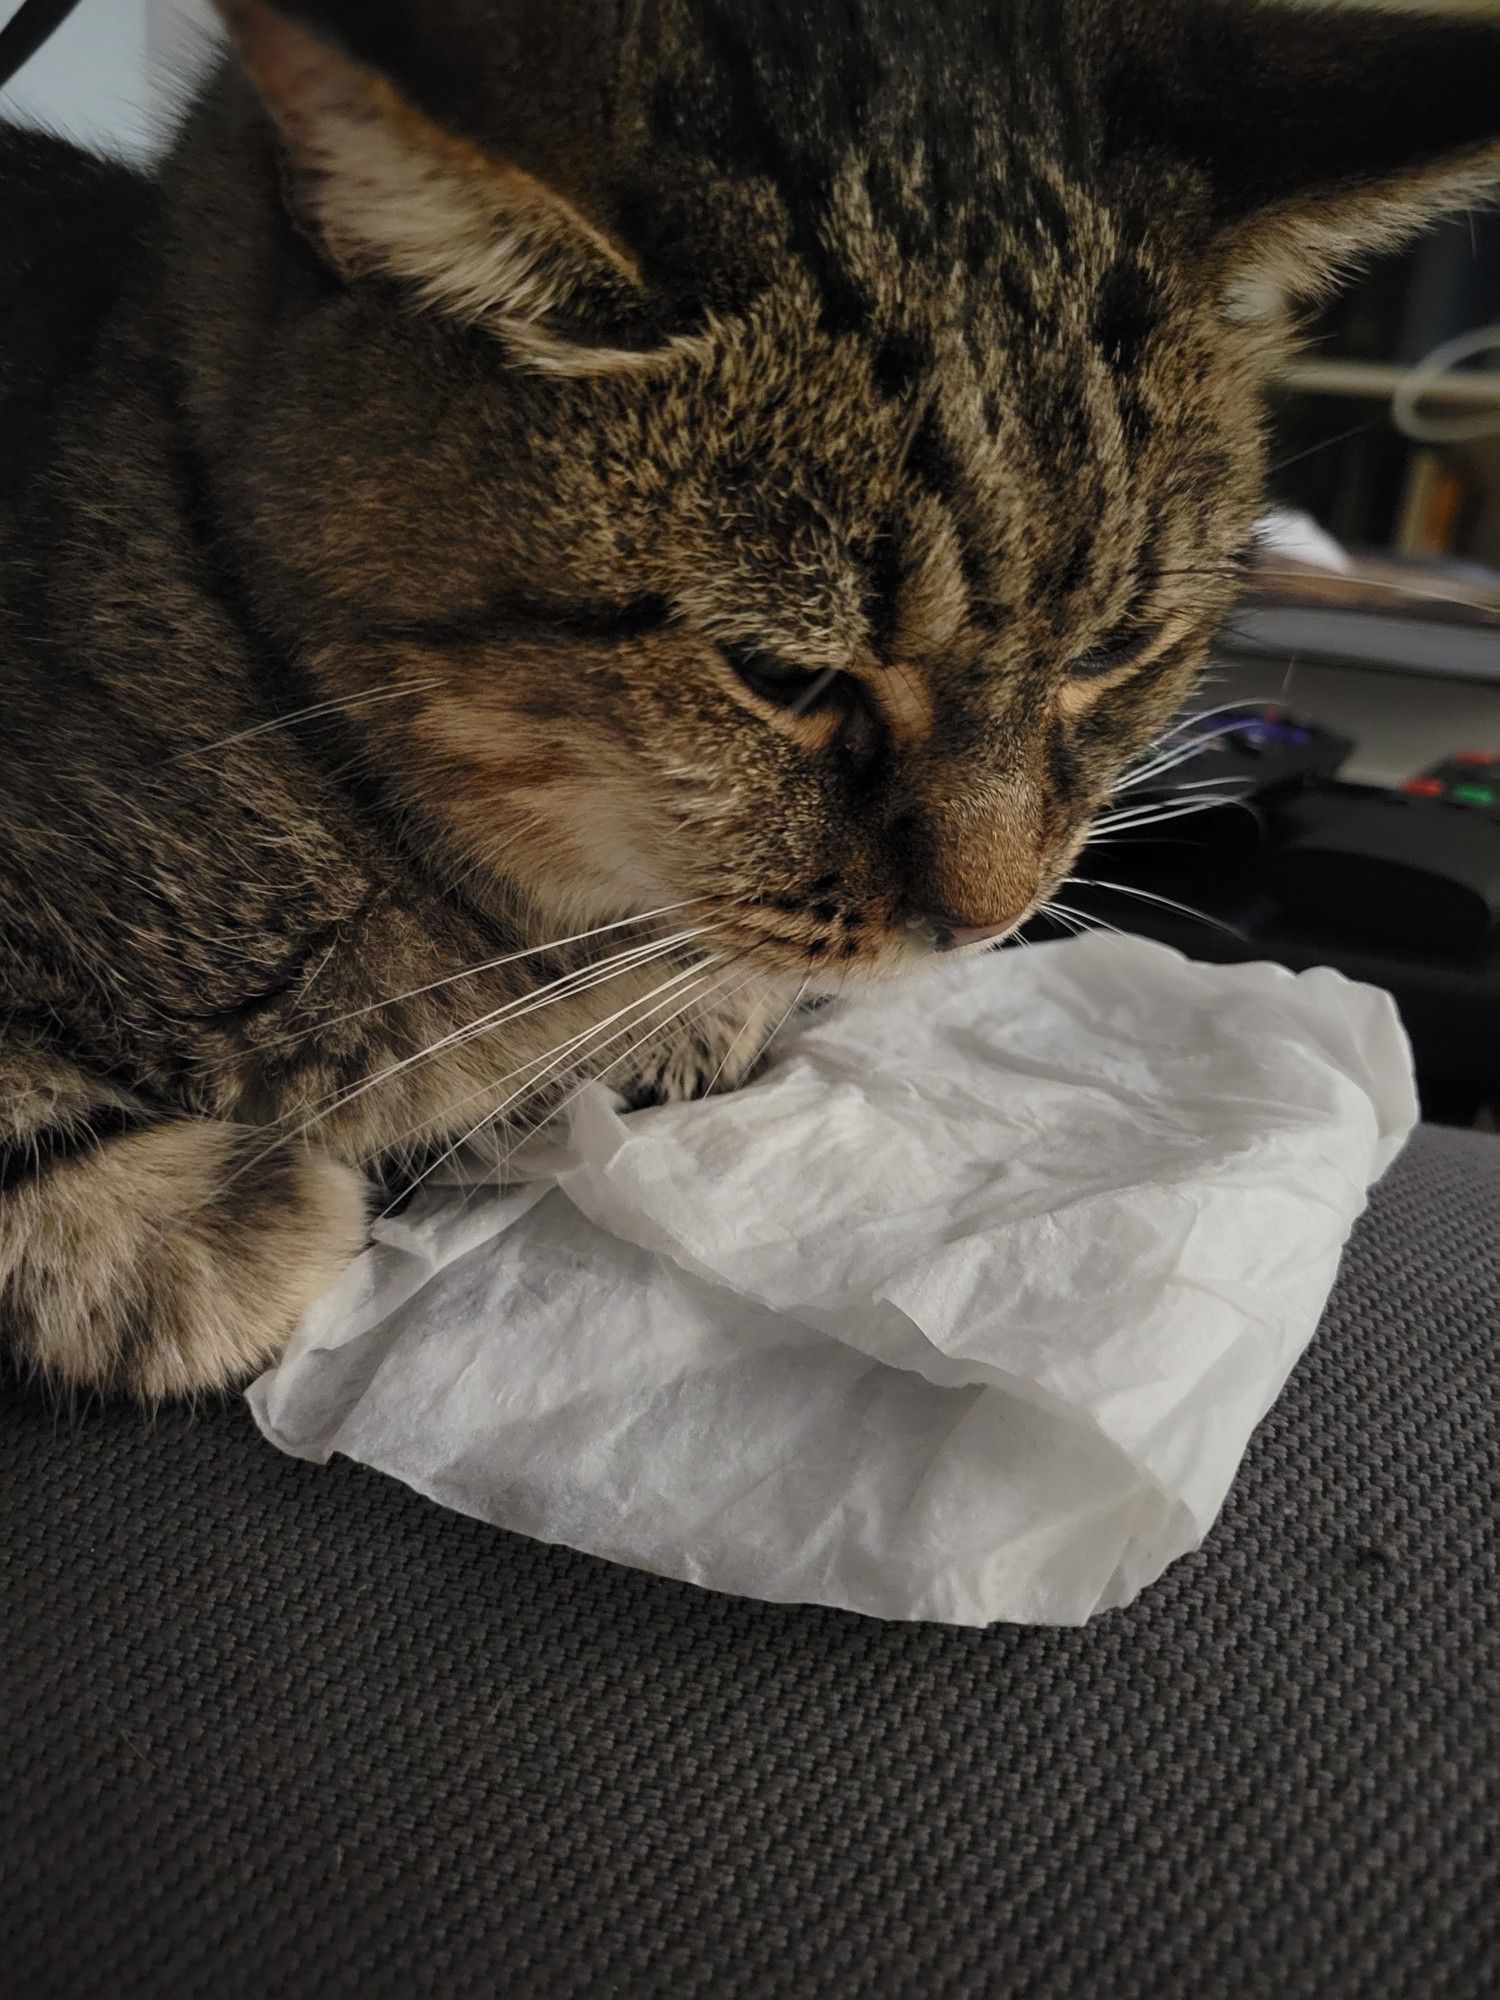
(964, 1310)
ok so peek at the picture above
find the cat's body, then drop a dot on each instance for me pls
(687, 514)
(198, 922)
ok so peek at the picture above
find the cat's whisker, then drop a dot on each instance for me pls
(476, 971)
(1202, 715)
(551, 1060)
(1159, 767)
(321, 1113)
(1160, 815)
(728, 1055)
(567, 987)
(814, 691)
(390, 691)
(1079, 921)
(700, 1000)
(573, 984)
(793, 1004)
(1150, 776)
(1324, 444)
(1151, 896)
(1169, 755)
(1067, 920)
(1200, 785)
(1185, 799)
(577, 1042)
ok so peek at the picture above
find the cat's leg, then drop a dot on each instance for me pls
(156, 1256)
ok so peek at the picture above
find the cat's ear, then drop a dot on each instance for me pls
(384, 189)
(1327, 132)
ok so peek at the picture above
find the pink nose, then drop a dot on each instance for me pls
(948, 934)
(955, 937)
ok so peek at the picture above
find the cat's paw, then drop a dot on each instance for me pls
(278, 1227)
(708, 1058)
(177, 1260)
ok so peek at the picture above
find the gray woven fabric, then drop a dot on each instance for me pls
(272, 1729)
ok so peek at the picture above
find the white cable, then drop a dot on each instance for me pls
(1409, 419)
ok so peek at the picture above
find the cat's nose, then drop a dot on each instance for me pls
(952, 937)
(946, 933)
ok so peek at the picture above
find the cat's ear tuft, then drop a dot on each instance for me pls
(384, 189)
(1327, 133)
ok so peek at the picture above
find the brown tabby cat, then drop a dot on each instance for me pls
(554, 525)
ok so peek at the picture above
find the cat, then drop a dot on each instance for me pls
(544, 533)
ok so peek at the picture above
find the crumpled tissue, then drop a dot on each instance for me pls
(964, 1310)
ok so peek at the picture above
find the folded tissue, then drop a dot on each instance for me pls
(964, 1310)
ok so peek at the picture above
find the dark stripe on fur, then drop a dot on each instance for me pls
(512, 617)
(884, 573)
(1062, 765)
(800, 182)
(28, 1159)
(933, 463)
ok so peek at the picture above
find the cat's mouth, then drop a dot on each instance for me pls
(829, 950)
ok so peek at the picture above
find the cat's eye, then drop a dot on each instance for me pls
(798, 689)
(1107, 658)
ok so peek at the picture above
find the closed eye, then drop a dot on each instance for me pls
(1116, 652)
(799, 690)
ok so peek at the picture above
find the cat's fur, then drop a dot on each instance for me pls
(530, 401)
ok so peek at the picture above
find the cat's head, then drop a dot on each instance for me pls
(793, 454)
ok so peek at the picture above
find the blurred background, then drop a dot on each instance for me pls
(114, 74)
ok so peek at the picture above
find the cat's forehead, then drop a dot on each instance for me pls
(1045, 460)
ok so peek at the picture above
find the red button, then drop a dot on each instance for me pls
(1424, 788)
(1477, 757)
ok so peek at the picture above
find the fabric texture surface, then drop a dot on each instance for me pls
(272, 1728)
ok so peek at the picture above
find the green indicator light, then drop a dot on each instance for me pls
(1473, 795)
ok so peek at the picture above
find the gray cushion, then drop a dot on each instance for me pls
(277, 1729)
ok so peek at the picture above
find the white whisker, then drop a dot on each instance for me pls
(1127, 822)
(1171, 760)
(1197, 785)
(566, 987)
(552, 1059)
(724, 1060)
(546, 996)
(1150, 896)
(1163, 757)
(471, 972)
(388, 693)
(1079, 921)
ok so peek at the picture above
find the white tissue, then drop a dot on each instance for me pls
(964, 1311)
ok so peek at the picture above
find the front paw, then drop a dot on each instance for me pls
(271, 1230)
(174, 1259)
(713, 1055)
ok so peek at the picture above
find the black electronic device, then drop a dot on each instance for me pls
(1252, 754)
(1399, 889)
(1418, 868)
